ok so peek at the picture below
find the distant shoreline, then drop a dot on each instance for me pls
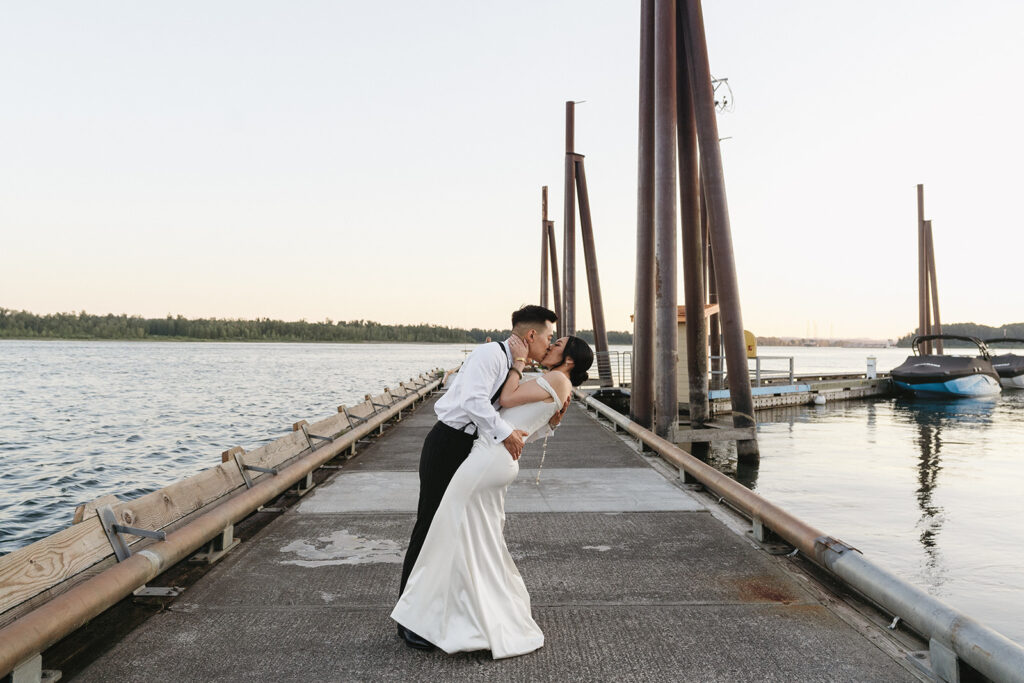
(82, 326)
(194, 340)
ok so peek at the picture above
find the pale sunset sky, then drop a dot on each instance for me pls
(384, 161)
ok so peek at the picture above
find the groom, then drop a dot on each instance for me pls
(468, 411)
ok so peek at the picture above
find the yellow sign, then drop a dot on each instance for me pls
(751, 340)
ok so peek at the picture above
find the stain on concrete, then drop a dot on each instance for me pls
(598, 548)
(342, 547)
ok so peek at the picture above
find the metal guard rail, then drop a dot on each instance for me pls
(45, 625)
(951, 634)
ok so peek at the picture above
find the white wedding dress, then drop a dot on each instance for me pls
(465, 593)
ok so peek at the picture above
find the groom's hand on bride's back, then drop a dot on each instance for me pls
(514, 443)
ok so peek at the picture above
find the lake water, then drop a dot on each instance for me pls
(928, 489)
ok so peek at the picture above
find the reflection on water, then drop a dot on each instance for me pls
(927, 488)
(930, 416)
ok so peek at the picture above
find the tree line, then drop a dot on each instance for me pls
(972, 330)
(82, 325)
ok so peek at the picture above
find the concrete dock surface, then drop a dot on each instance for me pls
(632, 578)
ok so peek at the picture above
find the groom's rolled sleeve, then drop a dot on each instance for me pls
(478, 398)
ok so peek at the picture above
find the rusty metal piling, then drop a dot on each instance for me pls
(544, 246)
(933, 284)
(719, 228)
(604, 366)
(692, 240)
(556, 290)
(666, 404)
(641, 400)
(923, 327)
(569, 227)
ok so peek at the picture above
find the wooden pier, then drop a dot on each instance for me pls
(633, 575)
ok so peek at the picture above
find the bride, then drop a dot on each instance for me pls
(465, 592)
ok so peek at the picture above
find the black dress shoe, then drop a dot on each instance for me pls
(413, 640)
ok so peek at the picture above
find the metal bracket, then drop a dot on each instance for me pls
(31, 671)
(310, 437)
(770, 541)
(158, 592)
(305, 485)
(380, 405)
(351, 417)
(244, 468)
(218, 547)
(115, 533)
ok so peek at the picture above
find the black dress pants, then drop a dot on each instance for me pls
(444, 450)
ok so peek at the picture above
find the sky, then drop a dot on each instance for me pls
(384, 161)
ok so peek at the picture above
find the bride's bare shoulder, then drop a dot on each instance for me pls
(559, 382)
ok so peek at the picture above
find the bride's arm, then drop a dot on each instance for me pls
(515, 393)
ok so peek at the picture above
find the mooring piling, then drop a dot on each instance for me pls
(544, 246)
(604, 366)
(923, 326)
(641, 400)
(718, 225)
(569, 227)
(556, 290)
(692, 241)
(933, 284)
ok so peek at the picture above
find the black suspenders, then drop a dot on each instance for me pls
(493, 399)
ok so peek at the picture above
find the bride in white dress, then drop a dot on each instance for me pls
(465, 592)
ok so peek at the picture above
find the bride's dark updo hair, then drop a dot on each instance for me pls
(582, 357)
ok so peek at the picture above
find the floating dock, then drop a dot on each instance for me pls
(805, 389)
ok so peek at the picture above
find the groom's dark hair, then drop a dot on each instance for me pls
(533, 315)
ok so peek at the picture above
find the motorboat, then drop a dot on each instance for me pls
(941, 376)
(1010, 366)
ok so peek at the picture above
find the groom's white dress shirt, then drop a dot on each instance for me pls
(468, 399)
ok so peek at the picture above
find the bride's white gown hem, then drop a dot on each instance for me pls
(465, 592)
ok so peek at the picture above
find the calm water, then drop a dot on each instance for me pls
(927, 489)
(79, 420)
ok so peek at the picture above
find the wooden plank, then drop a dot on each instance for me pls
(333, 426)
(363, 409)
(275, 453)
(86, 510)
(229, 454)
(382, 401)
(52, 560)
(36, 567)
(41, 598)
(161, 508)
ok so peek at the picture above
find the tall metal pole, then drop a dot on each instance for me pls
(666, 403)
(933, 282)
(604, 366)
(556, 291)
(641, 399)
(715, 330)
(922, 272)
(569, 218)
(544, 246)
(693, 243)
(719, 229)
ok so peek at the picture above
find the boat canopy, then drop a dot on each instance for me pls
(919, 339)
